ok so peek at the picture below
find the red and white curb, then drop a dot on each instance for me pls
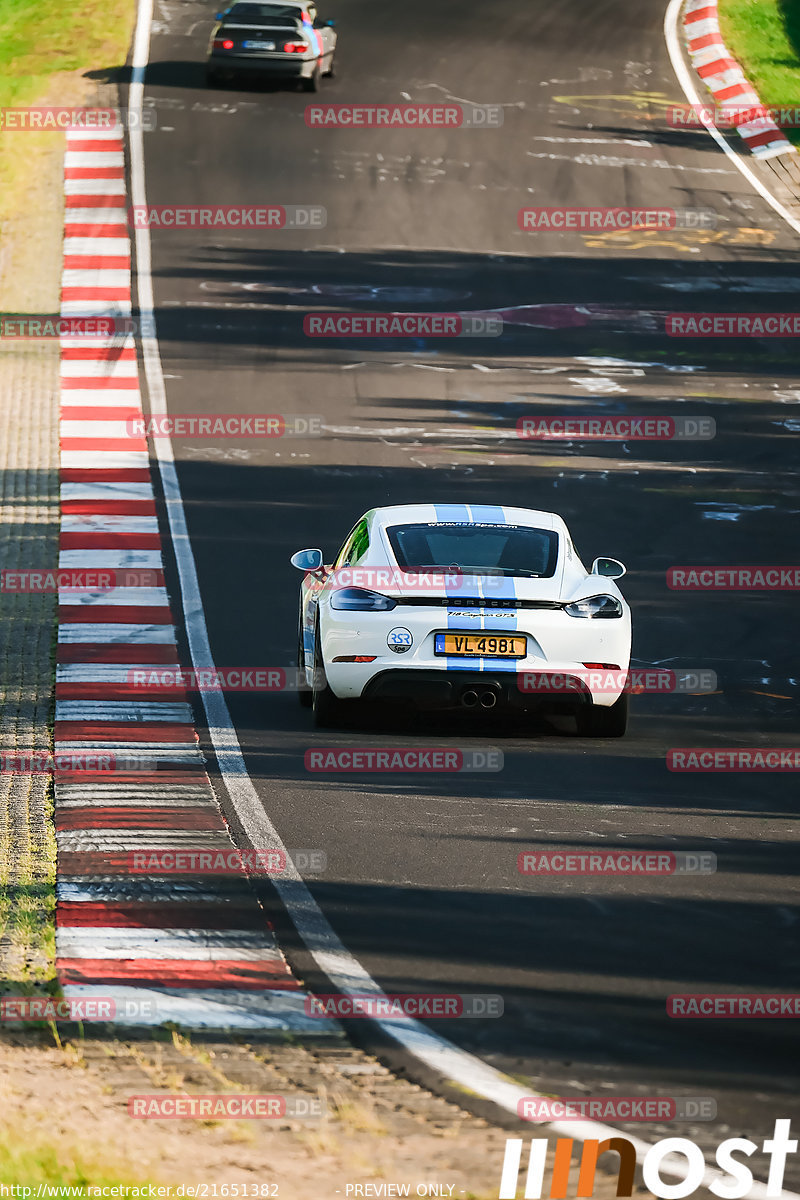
(191, 949)
(725, 79)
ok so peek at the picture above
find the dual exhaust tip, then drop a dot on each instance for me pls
(473, 699)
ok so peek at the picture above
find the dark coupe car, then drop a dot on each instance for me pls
(274, 41)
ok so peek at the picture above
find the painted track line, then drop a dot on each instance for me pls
(123, 933)
(671, 21)
(345, 972)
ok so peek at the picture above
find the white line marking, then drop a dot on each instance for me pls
(142, 752)
(101, 459)
(95, 308)
(98, 398)
(95, 277)
(330, 954)
(93, 158)
(120, 560)
(117, 841)
(102, 792)
(671, 18)
(107, 523)
(213, 1008)
(102, 243)
(124, 796)
(133, 711)
(601, 160)
(122, 633)
(106, 490)
(107, 133)
(99, 368)
(123, 597)
(203, 945)
(595, 141)
(97, 429)
(93, 187)
(104, 672)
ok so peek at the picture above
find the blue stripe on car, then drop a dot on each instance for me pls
(488, 514)
(452, 512)
(459, 591)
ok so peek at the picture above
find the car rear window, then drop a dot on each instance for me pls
(280, 15)
(510, 549)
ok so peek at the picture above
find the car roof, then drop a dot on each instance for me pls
(266, 4)
(469, 514)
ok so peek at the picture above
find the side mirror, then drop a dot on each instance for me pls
(217, 16)
(330, 24)
(307, 560)
(609, 567)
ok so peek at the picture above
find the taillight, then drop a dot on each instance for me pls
(295, 48)
(223, 44)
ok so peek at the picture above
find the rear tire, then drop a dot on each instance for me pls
(311, 84)
(596, 721)
(303, 690)
(326, 707)
(331, 71)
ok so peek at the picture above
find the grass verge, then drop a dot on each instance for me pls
(27, 895)
(764, 37)
(45, 48)
(29, 1158)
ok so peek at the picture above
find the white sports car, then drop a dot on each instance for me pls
(468, 606)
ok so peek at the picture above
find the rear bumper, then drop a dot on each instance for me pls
(269, 68)
(470, 689)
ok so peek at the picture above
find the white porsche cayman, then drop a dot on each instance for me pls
(469, 606)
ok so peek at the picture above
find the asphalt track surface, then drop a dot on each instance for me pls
(422, 884)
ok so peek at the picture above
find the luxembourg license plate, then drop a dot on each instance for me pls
(258, 45)
(479, 645)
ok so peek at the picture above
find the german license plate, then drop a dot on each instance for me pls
(258, 45)
(480, 645)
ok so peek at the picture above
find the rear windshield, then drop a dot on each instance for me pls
(508, 549)
(263, 14)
